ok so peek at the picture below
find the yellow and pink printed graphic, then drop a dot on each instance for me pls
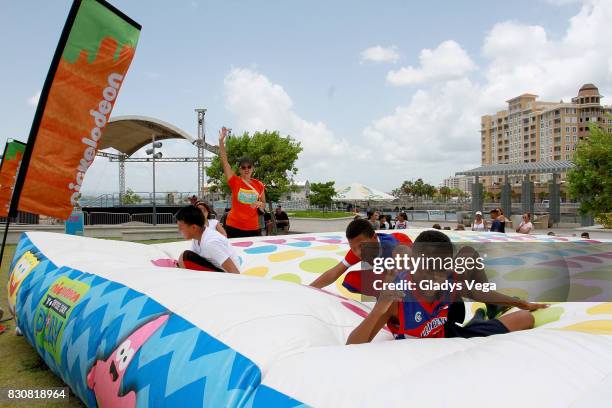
(17, 275)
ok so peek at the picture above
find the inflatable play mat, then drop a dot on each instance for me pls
(122, 330)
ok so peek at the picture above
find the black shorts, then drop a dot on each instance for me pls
(239, 233)
(479, 328)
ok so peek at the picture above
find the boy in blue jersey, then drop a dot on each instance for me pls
(427, 313)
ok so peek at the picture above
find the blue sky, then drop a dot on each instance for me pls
(299, 67)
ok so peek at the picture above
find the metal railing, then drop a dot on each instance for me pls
(106, 218)
(109, 218)
(428, 215)
(161, 218)
(23, 218)
(146, 198)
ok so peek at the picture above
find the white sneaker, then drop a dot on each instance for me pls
(18, 331)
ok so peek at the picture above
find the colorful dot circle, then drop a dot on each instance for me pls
(318, 265)
(257, 271)
(327, 247)
(544, 316)
(286, 255)
(288, 277)
(592, 326)
(604, 308)
(264, 249)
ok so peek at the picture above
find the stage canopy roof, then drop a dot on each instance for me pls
(542, 167)
(128, 134)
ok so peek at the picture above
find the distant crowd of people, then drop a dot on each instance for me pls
(384, 221)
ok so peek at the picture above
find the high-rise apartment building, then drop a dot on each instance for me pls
(463, 183)
(531, 130)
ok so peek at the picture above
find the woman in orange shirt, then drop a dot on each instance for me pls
(248, 195)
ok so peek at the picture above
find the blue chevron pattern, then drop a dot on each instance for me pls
(179, 364)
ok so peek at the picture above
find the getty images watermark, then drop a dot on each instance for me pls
(533, 271)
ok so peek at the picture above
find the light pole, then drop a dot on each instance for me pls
(154, 155)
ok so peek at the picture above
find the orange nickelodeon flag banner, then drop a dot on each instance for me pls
(90, 63)
(11, 159)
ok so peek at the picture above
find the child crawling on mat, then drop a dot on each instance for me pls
(360, 233)
(423, 312)
(210, 251)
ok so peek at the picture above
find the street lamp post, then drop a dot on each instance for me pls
(154, 155)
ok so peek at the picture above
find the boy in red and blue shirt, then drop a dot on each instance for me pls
(427, 313)
(360, 234)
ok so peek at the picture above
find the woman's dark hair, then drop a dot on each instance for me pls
(403, 215)
(210, 211)
(245, 160)
(190, 215)
(369, 214)
(359, 227)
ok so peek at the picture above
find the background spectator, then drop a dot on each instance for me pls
(401, 221)
(479, 223)
(267, 224)
(282, 220)
(495, 223)
(502, 219)
(526, 226)
(209, 218)
(248, 196)
(389, 221)
(373, 219)
(382, 220)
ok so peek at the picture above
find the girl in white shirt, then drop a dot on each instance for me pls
(210, 222)
(401, 222)
(526, 226)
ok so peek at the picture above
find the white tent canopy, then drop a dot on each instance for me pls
(360, 192)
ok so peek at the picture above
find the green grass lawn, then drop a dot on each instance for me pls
(319, 214)
(20, 365)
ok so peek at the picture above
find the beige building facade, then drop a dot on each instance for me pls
(463, 183)
(530, 130)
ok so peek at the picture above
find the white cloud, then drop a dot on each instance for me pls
(433, 134)
(436, 133)
(509, 40)
(33, 100)
(259, 104)
(524, 59)
(380, 54)
(446, 61)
